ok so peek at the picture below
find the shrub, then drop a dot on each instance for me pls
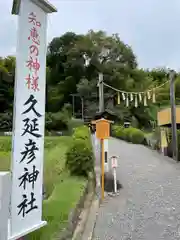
(114, 129)
(130, 134)
(121, 134)
(79, 157)
(81, 133)
(74, 123)
(56, 121)
(118, 131)
(6, 121)
(51, 142)
(5, 144)
(137, 136)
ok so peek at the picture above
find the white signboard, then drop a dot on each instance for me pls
(4, 204)
(29, 115)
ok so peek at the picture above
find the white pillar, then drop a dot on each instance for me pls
(115, 180)
(4, 204)
(114, 165)
(29, 117)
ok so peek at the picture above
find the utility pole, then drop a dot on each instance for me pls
(173, 115)
(101, 93)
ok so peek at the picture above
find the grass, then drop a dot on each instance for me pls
(63, 191)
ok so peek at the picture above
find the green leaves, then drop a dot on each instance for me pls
(80, 159)
(67, 74)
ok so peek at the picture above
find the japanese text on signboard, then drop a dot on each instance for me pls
(30, 130)
(33, 63)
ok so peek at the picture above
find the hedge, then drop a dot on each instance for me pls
(53, 121)
(6, 143)
(80, 157)
(130, 134)
(82, 133)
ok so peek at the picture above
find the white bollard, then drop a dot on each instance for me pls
(115, 180)
(4, 204)
(114, 166)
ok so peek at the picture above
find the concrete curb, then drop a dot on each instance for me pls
(91, 221)
(86, 225)
(83, 217)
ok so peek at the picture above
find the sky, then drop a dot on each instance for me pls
(150, 27)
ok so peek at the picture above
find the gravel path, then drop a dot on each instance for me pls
(148, 206)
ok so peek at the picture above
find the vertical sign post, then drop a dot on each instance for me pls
(102, 168)
(106, 155)
(28, 119)
(114, 166)
(102, 132)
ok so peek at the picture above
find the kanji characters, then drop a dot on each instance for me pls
(34, 36)
(33, 64)
(32, 101)
(33, 20)
(28, 81)
(29, 151)
(26, 206)
(28, 177)
(32, 82)
(34, 50)
(35, 84)
(30, 173)
(31, 127)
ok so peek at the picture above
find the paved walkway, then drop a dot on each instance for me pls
(148, 206)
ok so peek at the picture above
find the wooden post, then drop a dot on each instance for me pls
(102, 132)
(173, 116)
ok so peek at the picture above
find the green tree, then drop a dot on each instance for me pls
(67, 73)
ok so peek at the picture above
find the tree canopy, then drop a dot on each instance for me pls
(73, 63)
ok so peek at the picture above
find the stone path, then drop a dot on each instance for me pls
(148, 207)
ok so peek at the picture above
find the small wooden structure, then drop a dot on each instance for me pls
(102, 128)
(164, 117)
(164, 122)
(107, 114)
(102, 132)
